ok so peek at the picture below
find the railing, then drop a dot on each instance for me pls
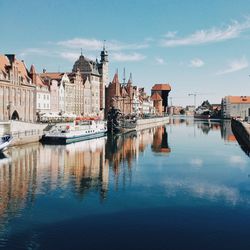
(26, 133)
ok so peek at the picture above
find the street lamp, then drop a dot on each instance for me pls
(8, 108)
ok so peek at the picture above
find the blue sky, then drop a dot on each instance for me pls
(196, 46)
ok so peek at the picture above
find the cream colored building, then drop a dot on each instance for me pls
(97, 75)
(17, 92)
(42, 93)
(235, 106)
(78, 88)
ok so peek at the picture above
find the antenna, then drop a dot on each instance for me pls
(124, 76)
(104, 44)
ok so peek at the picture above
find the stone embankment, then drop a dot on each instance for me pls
(241, 131)
(22, 132)
(151, 122)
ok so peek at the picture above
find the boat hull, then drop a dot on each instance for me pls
(203, 117)
(66, 140)
(5, 143)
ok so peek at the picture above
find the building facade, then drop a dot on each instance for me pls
(235, 106)
(42, 93)
(118, 96)
(53, 80)
(17, 91)
(97, 74)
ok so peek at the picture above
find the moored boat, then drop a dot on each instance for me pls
(119, 123)
(82, 130)
(5, 142)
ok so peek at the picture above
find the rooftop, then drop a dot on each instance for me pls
(156, 97)
(238, 99)
(52, 75)
(162, 86)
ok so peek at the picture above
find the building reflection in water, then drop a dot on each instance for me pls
(160, 140)
(226, 131)
(37, 169)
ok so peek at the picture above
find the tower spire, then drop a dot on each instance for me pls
(130, 77)
(81, 51)
(124, 76)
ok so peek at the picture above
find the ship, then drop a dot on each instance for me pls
(119, 123)
(202, 113)
(208, 111)
(80, 131)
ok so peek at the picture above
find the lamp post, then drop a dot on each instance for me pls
(8, 108)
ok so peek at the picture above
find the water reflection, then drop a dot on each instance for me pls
(160, 141)
(185, 165)
(84, 166)
(207, 126)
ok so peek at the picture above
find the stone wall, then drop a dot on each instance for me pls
(151, 122)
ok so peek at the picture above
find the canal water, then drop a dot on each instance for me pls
(185, 185)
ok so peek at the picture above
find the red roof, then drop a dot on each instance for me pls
(156, 97)
(52, 75)
(238, 99)
(116, 79)
(163, 86)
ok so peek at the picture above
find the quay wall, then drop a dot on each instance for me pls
(151, 122)
(242, 131)
(24, 132)
(4, 128)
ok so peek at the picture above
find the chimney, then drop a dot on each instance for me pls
(11, 58)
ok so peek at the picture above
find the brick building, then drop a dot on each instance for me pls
(17, 91)
(163, 90)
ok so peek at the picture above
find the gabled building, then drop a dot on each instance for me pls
(53, 80)
(118, 96)
(42, 93)
(17, 91)
(157, 101)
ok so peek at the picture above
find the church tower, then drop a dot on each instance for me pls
(104, 68)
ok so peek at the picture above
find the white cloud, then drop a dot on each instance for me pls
(34, 51)
(210, 35)
(122, 57)
(234, 66)
(70, 56)
(94, 44)
(159, 60)
(196, 63)
(73, 56)
(170, 34)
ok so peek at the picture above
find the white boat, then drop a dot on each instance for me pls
(5, 142)
(84, 130)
